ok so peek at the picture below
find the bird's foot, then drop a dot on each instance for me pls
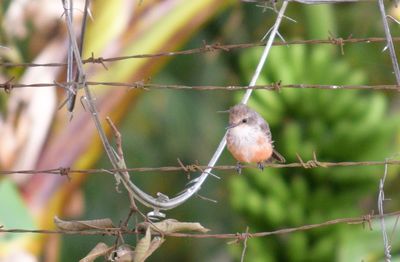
(260, 165)
(239, 168)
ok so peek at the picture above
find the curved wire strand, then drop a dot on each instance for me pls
(163, 202)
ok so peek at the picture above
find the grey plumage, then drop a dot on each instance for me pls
(241, 114)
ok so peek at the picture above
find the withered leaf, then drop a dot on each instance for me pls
(78, 225)
(99, 250)
(171, 226)
(123, 253)
(146, 247)
(142, 247)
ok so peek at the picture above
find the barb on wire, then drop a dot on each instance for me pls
(8, 85)
(393, 19)
(210, 48)
(65, 171)
(361, 220)
(389, 41)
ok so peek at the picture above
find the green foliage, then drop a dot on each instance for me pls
(339, 125)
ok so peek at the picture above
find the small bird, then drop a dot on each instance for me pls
(249, 138)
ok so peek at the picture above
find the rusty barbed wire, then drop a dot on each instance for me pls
(363, 220)
(314, 163)
(206, 48)
(8, 86)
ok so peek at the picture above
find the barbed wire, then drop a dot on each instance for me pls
(363, 220)
(314, 163)
(191, 168)
(206, 48)
(9, 86)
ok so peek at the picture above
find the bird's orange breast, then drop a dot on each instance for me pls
(250, 146)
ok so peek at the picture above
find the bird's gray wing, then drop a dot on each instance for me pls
(275, 154)
(265, 128)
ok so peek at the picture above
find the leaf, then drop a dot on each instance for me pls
(99, 250)
(127, 257)
(122, 253)
(141, 250)
(171, 225)
(78, 225)
(155, 243)
(145, 247)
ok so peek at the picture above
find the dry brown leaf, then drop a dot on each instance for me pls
(171, 226)
(145, 248)
(127, 257)
(77, 225)
(123, 253)
(99, 250)
(140, 253)
(155, 243)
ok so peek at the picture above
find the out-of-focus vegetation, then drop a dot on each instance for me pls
(339, 125)
(349, 125)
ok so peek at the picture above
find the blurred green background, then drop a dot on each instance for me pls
(339, 125)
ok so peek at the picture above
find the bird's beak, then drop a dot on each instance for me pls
(233, 125)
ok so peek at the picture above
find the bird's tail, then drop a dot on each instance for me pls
(278, 157)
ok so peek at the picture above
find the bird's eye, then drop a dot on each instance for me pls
(244, 120)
